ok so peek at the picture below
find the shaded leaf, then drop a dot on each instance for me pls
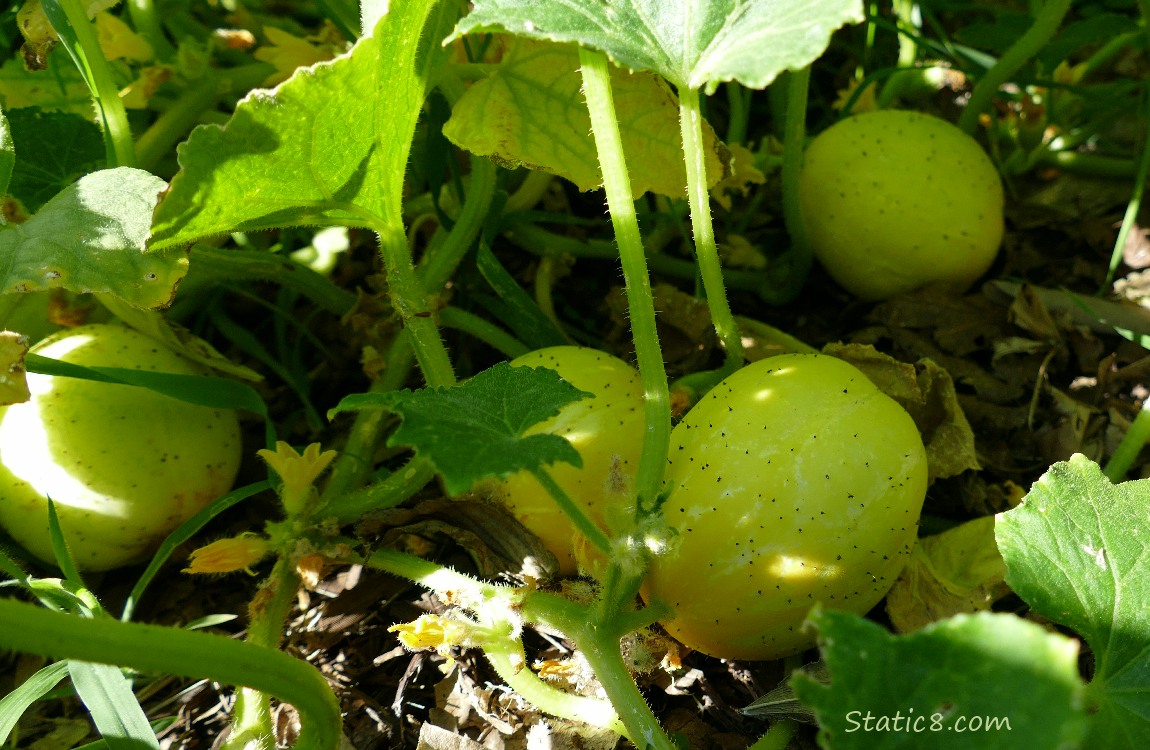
(691, 43)
(1077, 551)
(60, 148)
(91, 238)
(987, 681)
(531, 112)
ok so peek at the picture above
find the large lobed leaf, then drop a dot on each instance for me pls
(476, 430)
(91, 237)
(1078, 551)
(994, 682)
(328, 146)
(692, 43)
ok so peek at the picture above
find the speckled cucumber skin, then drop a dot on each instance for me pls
(793, 481)
(606, 429)
(124, 465)
(895, 200)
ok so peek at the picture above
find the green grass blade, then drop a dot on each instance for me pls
(13, 705)
(108, 696)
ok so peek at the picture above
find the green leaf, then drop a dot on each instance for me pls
(986, 681)
(13, 705)
(58, 88)
(59, 147)
(692, 43)
(476, 430)
(328, 146)
(90, 238)
(531, 112)
(108, 696)
(1078, 551)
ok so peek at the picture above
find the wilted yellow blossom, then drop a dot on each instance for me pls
(228, 555)
(298, 472)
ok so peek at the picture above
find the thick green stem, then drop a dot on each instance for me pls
(534, 186)
(706, 250)
(354, 464)
(147, 23)
(466, 590)
(640, 304)
(252, 715)
(183, 653)
(410, 300)
(1027, 46)
(507, 657)
(794, 135)
(70, 20)
(598, 642)
(545, 243)
(1091, 164)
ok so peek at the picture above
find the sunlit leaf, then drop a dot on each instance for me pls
(693, 43)
(995, 682)
(91, 238)
(1078, 551)
(328, 146)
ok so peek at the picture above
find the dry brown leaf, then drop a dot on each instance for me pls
(927, 392)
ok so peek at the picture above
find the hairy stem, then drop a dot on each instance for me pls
(184, 653)
(252, 715)
(706, 250)
(640, 304)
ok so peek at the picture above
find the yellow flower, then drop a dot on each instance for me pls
(436, 632)
(298, 472)
(228, 555)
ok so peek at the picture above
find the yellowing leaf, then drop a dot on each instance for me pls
(531, 112)
(742, 174)
(287, 52)
(960, 570)
(137, 93)
(118, 41)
